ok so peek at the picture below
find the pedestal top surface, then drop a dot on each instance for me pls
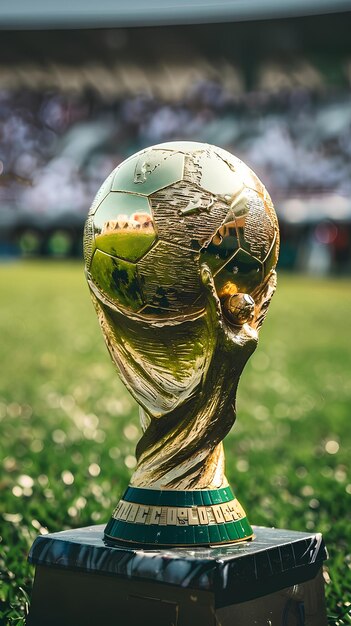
(272, 553)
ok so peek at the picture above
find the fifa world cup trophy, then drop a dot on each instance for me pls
(181, 244)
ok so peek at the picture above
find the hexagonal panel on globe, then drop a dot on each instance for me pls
(117, 279)
(123, 226)
(187, 215)
(169, 277)
(206, 169)
(102, 193)
(222, 247)
(149, 171)
(255, 228)
(243, 273)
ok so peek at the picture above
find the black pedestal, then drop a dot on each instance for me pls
(274, 580)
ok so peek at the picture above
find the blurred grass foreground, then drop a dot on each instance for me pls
(69, 428)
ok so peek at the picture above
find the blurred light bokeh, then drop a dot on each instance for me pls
(73, 104)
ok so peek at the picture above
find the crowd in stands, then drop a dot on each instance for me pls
(57, 147)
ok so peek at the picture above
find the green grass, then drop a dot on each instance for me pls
(68, 427)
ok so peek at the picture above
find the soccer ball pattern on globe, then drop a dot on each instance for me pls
(167, 210)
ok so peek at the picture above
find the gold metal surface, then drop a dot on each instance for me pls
(181, 245)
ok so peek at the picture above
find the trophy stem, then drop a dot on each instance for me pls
(173, 464)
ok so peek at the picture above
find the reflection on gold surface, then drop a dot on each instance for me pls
(123, 226)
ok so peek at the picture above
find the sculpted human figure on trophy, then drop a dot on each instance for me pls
(181, 244)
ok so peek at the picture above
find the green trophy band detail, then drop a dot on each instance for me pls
(201, 517)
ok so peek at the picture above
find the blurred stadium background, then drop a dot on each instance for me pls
(74, 103)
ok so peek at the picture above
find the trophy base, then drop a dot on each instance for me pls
(82, 581)
(203, 517)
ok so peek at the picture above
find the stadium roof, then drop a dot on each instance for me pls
(21, 14)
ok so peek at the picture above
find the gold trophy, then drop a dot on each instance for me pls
(180, 245)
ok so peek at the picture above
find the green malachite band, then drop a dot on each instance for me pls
(181, 534)
(200, 497)
(178, 535)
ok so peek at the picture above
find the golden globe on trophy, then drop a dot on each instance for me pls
(180, 246)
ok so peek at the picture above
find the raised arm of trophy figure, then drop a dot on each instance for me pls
(232, 337)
